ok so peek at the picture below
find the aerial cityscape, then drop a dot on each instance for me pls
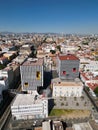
(49, 65)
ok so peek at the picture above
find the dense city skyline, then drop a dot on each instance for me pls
(60, 16)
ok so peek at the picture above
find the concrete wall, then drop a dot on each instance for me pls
(28, 75)
(68, 65)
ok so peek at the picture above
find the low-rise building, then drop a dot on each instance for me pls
(26, 49)
(10, 55)
(89, 79)
(57, 125)
(82, 126)
(3, 60)
(65, 49)
(20, 59)
(27, 106)
(88, 65)
(67, 89)
(46, 125)
(48, 47)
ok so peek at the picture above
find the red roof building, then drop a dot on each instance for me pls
(68, 57)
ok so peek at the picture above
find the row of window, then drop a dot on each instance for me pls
(26, 110)
(67, 94)
(73, 70)
(76, 88)
(38, 76)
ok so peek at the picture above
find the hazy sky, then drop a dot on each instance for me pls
(68, 16)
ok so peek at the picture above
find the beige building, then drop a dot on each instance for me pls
(67, 89)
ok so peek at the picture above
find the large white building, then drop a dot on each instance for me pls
(89, 65)
(27, 106)
(67, 89)
(48, 47)
(65, 49)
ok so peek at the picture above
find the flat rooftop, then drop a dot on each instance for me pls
(33, 62)
(26, 99)
(82, 126)
(58, 82)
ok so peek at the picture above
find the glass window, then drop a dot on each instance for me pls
(74, 70)
(38, 75)
(26, 84)
(64, 72)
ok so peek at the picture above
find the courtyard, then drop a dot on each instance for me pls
(78, 103)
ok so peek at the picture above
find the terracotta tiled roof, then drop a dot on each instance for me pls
(84, 75)
(95, 78)
(92, 85)
(68, 57)
(3, 58)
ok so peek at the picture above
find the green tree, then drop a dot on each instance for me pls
(53, 51)
(96, 90)
(59, 48)
(2, 66)
(85, 43)
(87, 88)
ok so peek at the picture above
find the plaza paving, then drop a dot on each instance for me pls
(81, 103)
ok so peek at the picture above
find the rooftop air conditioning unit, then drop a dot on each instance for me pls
(32, 59)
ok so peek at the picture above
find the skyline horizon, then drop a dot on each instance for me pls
(62, 33)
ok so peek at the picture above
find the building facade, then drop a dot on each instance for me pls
(68, 67)
(68, 83)
(8, 73)
(32, 74)
(88, 65)
(3, 86)
(67, 89)
(27, 106)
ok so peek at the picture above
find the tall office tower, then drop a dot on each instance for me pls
(32, 74)
(68, 67)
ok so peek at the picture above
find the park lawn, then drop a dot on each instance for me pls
(69, 113)
(59, 112)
